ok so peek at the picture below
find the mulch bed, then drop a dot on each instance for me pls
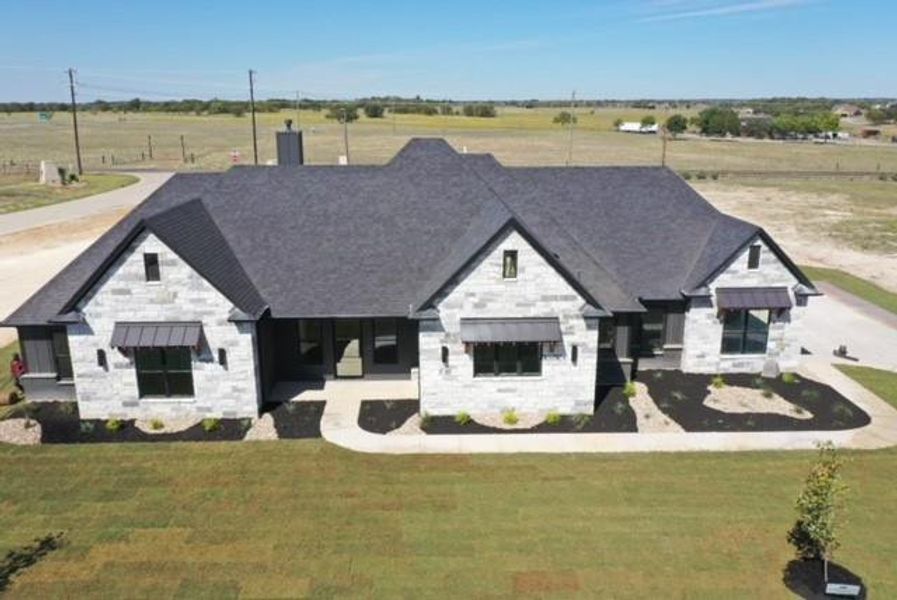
(60, 424)
(296, 420)
(382, 416)
(681, 396)
(612, 415)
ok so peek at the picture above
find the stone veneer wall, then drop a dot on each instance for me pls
(123, 294)
(480, 291)
(704, 327)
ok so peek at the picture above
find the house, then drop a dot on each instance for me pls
(847, 110)
(491, 287)
(637, 127)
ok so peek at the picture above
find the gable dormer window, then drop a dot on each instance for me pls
(509, 264)
(754, 257)
(151, 266)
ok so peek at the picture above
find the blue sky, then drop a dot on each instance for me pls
(459, 49)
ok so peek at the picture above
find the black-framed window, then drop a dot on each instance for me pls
(62, 356)
(311, 342)
(507, 359)
(164, 372)
(386, 342)
(652, 332)
(151, 266)
(745, 331)
(754, 256)
(509, 264)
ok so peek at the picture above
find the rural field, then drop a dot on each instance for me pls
(307, 519)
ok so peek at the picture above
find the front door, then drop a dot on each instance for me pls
(347, 346)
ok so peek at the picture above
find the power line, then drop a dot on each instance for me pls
(75, 120)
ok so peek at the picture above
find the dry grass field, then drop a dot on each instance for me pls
(517, 136)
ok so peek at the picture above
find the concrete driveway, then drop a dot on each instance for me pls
(125, 197)
(837, 318)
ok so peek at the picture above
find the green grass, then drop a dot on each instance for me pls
(309, 519)
(6, 382)
(855, 285)
(20, 193)
(881, 383)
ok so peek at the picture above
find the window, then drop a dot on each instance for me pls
(445, 356)
(311, 343)
(754, 257)
(62, 356)
(574, 354)
(652, 332)
(164, 372)
(509, 265)
(507, 359)
(745, 331)
(386, 345)
(101, 359)
(607, 333)
(151, 266)
(222, 357)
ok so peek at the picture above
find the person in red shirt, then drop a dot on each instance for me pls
(17, 369)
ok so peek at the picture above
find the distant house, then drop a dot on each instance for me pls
(848, 110)
(636, 127)
(869, 132)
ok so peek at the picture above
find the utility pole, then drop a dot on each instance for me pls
(183, 150)
(346, 133)
(663, 152)
(255, 146)
(393, 111)
(75, 121)
(298, 114)
(149, 146)
(572, 121)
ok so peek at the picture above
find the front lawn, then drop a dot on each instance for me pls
(304, 518)
(20, 193)
(878, 381)
(855, 285)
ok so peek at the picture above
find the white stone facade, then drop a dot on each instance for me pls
(480, 291)
(704, 327)
(123, 294)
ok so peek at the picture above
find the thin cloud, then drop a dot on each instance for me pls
(720, 10)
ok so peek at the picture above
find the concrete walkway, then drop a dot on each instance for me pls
(339, 425)
(88, 206)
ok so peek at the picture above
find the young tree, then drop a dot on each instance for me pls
(564, 118)
(719, 121)
(617, 123)
(815, 534)
(342, 112)
(648, 121)
(676, 124)
(373, 111)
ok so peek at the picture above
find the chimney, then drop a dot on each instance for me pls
(289, 146)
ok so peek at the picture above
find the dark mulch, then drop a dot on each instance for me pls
(681, 397)
(60, 424)
(296, 420)
(382, 416)
(612, 415)
(804, 578)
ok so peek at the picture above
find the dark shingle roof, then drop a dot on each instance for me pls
(380, 240)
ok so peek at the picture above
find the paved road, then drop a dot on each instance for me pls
(125, 197)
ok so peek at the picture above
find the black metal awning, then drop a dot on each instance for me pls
(157, 335)
(510, 330)
(757, 297)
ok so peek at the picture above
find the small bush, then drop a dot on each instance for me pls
(758, 382)
(68, 408)
(425, 421)
(389, 404)
(842, 411)
(790, 378)
(882, 177)
(157, 424)
(86, 427)
(766, 392)
(893, 177)
(629, 390)
(686, 176)
(798, 410)
(210, 425)
(510, 417)
(619, 408)
(657, 375)
(677, 396)
(553, 418)
(718, 382)
(114, 425)
(245, 422)
(581, 421)
(714, 176)
(701, 175)
(462, 418)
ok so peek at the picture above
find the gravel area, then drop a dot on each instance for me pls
(20, 432)
(409, 427)
(740, 400)
(649, 418)
(262, 429)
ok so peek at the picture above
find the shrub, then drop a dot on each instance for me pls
(629, 390)
(211, 424)
(114, 425)
(553, 418)
(701, 175)
(245, 422)
(686, 176)
(581, 421)
(462, 418)
(677, 395)
(510, 417)
(718, 382)
(657, 375)
(157, 424)
(86, 427)
(766, 392)
(619, 408)
(68, 408)
(373, 111)
(758, 382)
(425, 421)
(893, 177)
(790, 378)
(810, 394)
(842, 411)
